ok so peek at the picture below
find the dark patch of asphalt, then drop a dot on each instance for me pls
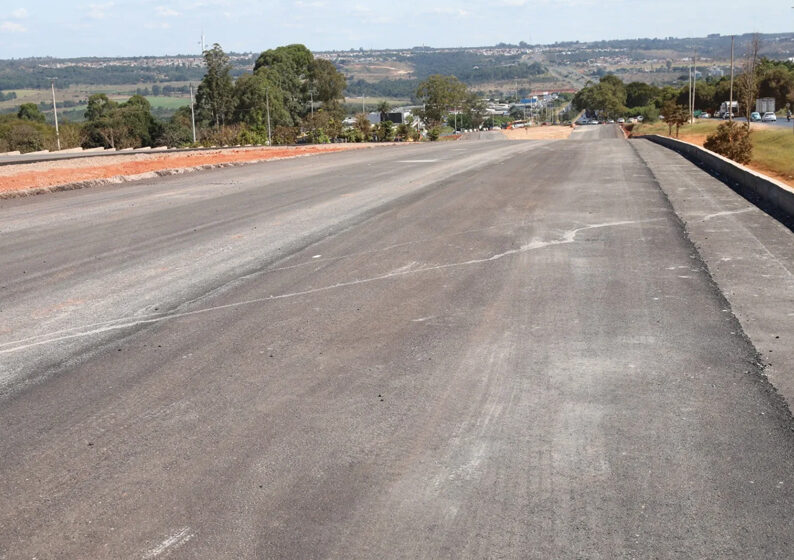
(526, 359)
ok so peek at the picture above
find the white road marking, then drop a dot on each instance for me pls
(174, 541)
(726, 213)
(128, 322)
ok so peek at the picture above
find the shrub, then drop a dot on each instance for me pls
(283, 135)
(732, 141)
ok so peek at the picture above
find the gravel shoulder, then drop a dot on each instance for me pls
(34, 178)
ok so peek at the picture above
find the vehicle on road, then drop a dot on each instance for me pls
(729, 108)
(769, 117)
(755, 116)
(621, 120)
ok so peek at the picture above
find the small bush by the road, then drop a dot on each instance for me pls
(732, 141)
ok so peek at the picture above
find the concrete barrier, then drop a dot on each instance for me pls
(14, 153)
(778, 195)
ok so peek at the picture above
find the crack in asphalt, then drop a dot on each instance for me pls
(129, 322)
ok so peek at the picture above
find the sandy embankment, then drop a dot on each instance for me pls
(539, 133)
(33, 178)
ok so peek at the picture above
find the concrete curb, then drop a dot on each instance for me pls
(777, 195)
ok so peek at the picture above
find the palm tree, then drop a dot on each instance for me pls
(383, 109)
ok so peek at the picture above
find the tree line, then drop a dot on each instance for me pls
(289, 95)
(614, 98)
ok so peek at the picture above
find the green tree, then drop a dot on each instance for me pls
(214, 97)
(639, 94)
(473, 110)
(675, 115)
(749, 81)
(178, 131)
(776, 80)
(327, 84)
(607, 97)
(289, 67)
(141, 128)
(103, 124)
(383, 108)
(439, 94)
(126, 125)
(30, 112)
(732, 141)
(253, 93)
(363, 126)
(385, 131)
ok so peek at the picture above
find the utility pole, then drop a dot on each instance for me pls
(694, 83)
(689, 85)
(55, 113)
(192, 114)
(311, 97)
(267, 104)
(730, 102)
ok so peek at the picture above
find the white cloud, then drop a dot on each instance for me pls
(98, 11)
(166, 12)
(455, 12)
(12, 27)
(20, 13)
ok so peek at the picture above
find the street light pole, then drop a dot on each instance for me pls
(267, 104)
(694, 83)
(730, 102)
(192, 114)
(55, 112)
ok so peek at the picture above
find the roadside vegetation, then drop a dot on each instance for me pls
(289, 97)
(759, 77)
(771, 147)
(613, 98)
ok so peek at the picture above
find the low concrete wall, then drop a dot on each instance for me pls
(778, 195)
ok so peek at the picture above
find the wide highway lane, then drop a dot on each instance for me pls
(462, 350)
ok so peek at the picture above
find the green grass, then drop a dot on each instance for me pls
(772, 147)
(168, 102)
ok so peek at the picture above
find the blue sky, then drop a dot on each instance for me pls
(156, 27)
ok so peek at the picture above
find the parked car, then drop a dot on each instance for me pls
(621, 120)
(704, 116)
(755, 116)
(769, 117)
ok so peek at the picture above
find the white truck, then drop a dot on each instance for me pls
(765, 105)
(724, 109)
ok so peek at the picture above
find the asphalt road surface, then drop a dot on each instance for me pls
(463, 350)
